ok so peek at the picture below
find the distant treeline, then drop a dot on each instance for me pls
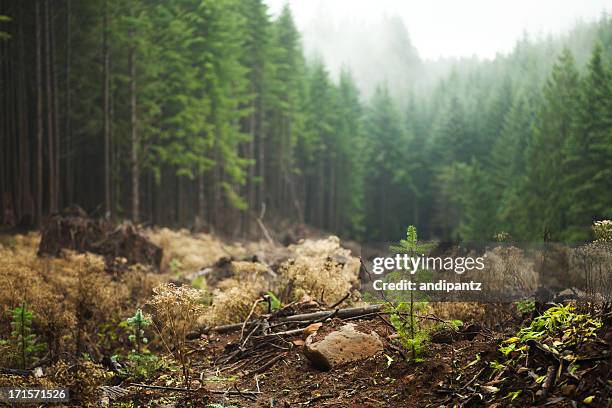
(205, 113)
(518, 148)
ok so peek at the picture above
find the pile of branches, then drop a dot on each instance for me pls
(266, 340)
(121, 245)
(563, 358)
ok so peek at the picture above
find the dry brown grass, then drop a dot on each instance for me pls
(234, 297)
(591, 267)
(73, 298)
(186, 252)
(175, 311)
(321, 269)
(507, 270)
(83, 381)
(464, 311)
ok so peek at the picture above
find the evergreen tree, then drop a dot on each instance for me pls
(587, 152)
(285, 99)
(348, 188)
(384, 134)
(508, 167)
(545, 199)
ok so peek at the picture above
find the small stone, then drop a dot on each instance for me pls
(341, 346)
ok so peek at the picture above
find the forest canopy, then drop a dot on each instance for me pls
(207, 114)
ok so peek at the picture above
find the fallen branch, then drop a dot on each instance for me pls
(338, 303)
(15, 371)
(318, 398)
(163, 388)
(242, 394)
(179, 389)
(472, 380)
(248, 317)
(342, 314)
(262, 226)
(286, 333)
(352, 312)
(264, 367)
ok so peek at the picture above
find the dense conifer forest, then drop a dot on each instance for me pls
(206, 114)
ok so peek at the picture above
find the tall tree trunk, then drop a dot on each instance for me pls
(250, 187)
(39, 119)
(56, 146)
(331, 216)
(321, 193)
(201, 200)
(261, 155)
(151, 196)
(67, 125)
(134, 123)
(50, 125)
(10, 189)
(25, 173)
(106, 112)
(3, 139)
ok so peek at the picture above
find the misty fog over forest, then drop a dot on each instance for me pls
(378, 44)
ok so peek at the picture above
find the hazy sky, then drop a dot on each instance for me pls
(450, 28)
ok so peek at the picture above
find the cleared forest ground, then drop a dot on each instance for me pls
(84, 333)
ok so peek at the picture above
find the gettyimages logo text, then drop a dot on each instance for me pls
(404, 262)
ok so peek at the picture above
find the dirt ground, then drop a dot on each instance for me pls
(384, 380)
(270, 369)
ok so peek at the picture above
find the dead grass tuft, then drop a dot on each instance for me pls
(185, 252)
(321, 269)
(464, 311)
(73, 298)
(231, 305)
(508, 270)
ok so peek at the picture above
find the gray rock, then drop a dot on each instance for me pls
(341, 346)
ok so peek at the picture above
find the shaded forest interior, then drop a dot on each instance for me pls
(207, 114)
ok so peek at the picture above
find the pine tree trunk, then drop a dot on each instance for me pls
(50, 125)
(135, 137)
(39, 119)
(69, 178)
(201, 199)
(56, 146)
(332, 197)
(260, 144)
(25, 175)
(106, 113)
(250, 190)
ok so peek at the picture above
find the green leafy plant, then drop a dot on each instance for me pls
(175, 265)
(141, 362)
(560, 320)
(412, 336)
(497, 366)
(275, 303)
(23, 344)
(525, 306)
(404, 315)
